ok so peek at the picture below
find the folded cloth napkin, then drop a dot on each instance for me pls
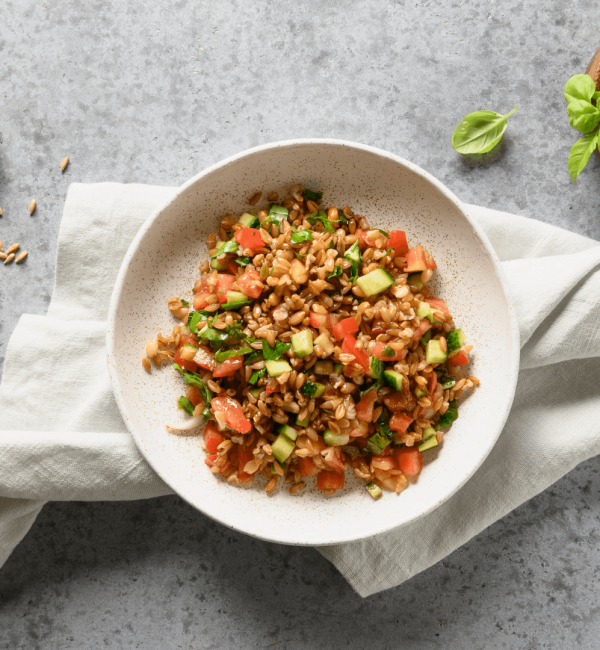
(62, 437)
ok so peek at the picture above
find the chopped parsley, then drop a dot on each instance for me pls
(272, 354)
(223, 355)
(186, 405)
(336, 271)
(256, 375)
(388, 352)
(321, 216)
(449, 416)
(228, 247)
(243, 261)
(185, 303)
(300, 236)
(309, 195)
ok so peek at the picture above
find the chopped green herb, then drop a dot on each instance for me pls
(309, 195)
(192, 379)
(447, 383)
(228, 247)
(254, 358)
(272, 354)
(342, 217)
(223, 355)
(321, 216)
(300, 236)
(299, 255)
(312, 389)
(449, 416)
(186, 405)
(338, 270)
(383, 232)
(277, 214)
(228, 306)
(388, 352)
(185, 303)
(354, 257)
(243, 261)
(383, 425)
(256, 375)
(377, 443)
(374, 386)
(194, 318)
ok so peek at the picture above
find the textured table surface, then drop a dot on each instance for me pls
(155, 92)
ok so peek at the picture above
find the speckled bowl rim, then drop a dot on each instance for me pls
(492, 435)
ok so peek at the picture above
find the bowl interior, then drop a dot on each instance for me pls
(163, 261)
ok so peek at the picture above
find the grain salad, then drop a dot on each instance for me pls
(311, 346)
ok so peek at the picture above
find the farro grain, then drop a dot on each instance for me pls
(146, 364)
(255, 198)
(32, 206)
(13, 248)
(9, 258)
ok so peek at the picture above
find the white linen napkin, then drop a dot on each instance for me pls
(62, 437)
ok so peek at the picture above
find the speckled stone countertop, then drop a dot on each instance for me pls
(155, 92)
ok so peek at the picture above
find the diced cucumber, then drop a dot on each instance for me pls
(377, 443)
(277, 368)
(335, 439)
(393, 378)
(256, 392)
(414, 280)
(420, 393)
(218, 265)
(236, 296)
(434, 353)
(323, 367)
(303, 423)
(424, 311)
(428, 444)
(277, 213)
(282, 447)
(374, 490)
(447, 382)
(376, 368)
(456, 339)
(249, 220)
(338, 369)
(425, 338)
(231, 248)
(235, 305)
(290, 432)
(312, 389)
(324, 340)
(375, 282)
(428, 432)
(302, 343)
(353, 253)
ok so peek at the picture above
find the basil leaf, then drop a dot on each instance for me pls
(300, 236)
(321, 216)
(272, 354)
(223, 355)
(580, 154)
(309, 195)
(580, 86)
(336, 271)
(256, 375)
(185, 303)
(228, 247)
(582, 115)
(479, 132)
(186, 405)
(243, 261)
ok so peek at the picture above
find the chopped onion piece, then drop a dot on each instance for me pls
(186, 425)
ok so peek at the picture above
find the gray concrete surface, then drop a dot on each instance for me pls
(153, 93)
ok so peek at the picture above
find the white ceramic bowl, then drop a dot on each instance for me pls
(163, 260)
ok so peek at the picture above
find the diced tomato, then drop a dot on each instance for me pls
(438, 304)
(361, 357)
(385, 464)
(359, 429)
(211, 460)
(224, 282)
(194, 395)
(184, 363)
(249, 238)
(330, 480)
(212, 438)
(433, 380)
(429, 261)
(307, 467)
(244, 456)
(415, 259)
(344, 328)
(272, 386)
(397, 355)
(228, 367)
(459, 359)
(200, 301)
(398, 242)
(408, 460)
(234, 416)
(364, 409)
(334, 319)
(250, 283)
(378, 328)
(363, 241)
(320, 320)
(205, 358)
(335, 462)
(423, 327)
(395, 401)
(232, 267)
(190, 340)
(400, 422)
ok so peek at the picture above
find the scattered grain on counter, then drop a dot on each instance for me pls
(9, 259)
(13, 248)
(21, 257)
(64, 163)
(32, 206)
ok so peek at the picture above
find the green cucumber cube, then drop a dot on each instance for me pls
(375, 282)
(312, 389)
(302, 343)
(323, 367)
(393, 379)
(376, 365)
(335, 439)
(456, 339)
(428, 432)
(249, 220)
(428, 444)
(282, 447)
(435, 354)
(424, 311)
(374, 490)
(290, 432)
(324, 340)
(277, 368)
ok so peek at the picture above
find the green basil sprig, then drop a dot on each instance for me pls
(479, 132)
(584, 116)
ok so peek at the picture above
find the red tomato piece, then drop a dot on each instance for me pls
(400, 422)
(228, 367)
(319, 445)
(205, 358)
(396, 401)
(224, 282)
(344, 328)
(397, 355)
(250, 283)
(363, 241)
(361, 357)
(234, 415)
(359, 429)
(408, 460)
(184, 363)
(423, 327)
(272, 386)
(459, 359)
(244, 456)
(232, 267)
(249, 238)
(415, 259)
(190, 340)
(385, 464)
(320, 320)
(398, 242)
(378, 328)
(194, 395)
(364, 409)
(433, 380)
(429, 261)
(211, 460)
(336, 462)
(212, 438)
(334, 319)
(200, 301)
(438, 304)
(307, 467)
(330, 480)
